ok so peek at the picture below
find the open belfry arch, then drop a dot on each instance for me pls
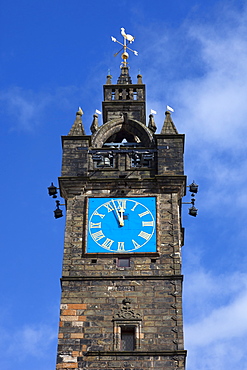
(121, 304)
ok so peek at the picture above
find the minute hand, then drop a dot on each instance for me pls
(121, 210)
(121, 223)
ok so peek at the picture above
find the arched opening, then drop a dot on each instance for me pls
(118, 139)
(132, 132)
(123, 138)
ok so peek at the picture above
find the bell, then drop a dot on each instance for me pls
(105, 162)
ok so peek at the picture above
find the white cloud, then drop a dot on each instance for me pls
(206, 82)
(216, 331)
(211, 101)
(211, 109)
(25, 109)
(222, 355)
(216, 100)
(224, 322)
(25, 342)
(216, 123)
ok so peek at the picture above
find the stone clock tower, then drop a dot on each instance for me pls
(121, 305)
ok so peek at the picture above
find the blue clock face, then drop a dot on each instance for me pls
(121, 225)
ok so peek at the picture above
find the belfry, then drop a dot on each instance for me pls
(121, 304)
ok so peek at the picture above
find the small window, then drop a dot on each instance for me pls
(127, 333)
(128, 342)
(123, 262)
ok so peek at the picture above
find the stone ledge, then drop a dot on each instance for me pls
(118, 255)
(136, 353)
(133, 277)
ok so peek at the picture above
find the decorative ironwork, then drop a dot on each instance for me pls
(103, 159)
(127, 39)
(141, 159)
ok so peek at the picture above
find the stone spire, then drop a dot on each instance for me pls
(77, 129)
(95, 124)
(168, 126)
(151, 124)
(124, 77)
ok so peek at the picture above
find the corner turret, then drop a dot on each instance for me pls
(77, 129)
(168, 126)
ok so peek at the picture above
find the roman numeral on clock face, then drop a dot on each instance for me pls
(133, 208)
(95, 225)
(109, 206)
(143, 213)
(147, 223)
(107, 243)
(136, 245)
(96, 213)
(120, 246)
(144, 235)
(121, 204)
(98, 235)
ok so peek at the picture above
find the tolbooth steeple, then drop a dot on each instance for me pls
(121, 304)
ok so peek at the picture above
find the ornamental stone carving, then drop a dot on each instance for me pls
(126, 313)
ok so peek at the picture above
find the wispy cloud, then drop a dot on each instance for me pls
(218, 323)
(25, 110)
(217, 110)
(25, 342)
(210, 103)
(31, 341)
(208, 89)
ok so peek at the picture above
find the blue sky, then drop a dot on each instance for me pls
(54, 57)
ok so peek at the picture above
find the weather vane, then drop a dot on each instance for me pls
(128, 39)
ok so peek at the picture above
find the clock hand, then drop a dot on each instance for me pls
(121, 223)
(121, 210)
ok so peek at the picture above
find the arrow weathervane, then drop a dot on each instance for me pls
(128, 39)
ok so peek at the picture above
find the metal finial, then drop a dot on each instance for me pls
(127, 39)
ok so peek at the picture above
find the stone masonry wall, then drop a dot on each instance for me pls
(93, 289)
(98, 297)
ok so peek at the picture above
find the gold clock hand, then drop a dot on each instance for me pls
(121, 210)
(119, 218)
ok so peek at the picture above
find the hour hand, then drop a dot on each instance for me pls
(121, 210)
(120, 219)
